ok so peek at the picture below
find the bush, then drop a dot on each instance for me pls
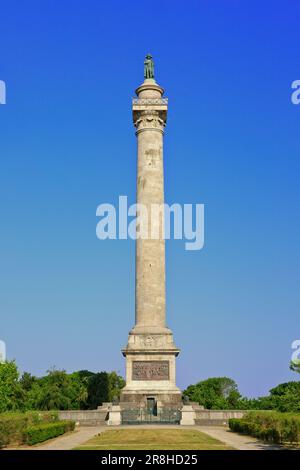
(12, 425)
(270, 426)
(44, 431)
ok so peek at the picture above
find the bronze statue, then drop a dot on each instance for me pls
(148, 67)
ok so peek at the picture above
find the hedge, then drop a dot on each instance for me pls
(270, 426)
(12, 425)
(44, 431)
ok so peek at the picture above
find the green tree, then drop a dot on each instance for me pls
(84, 375)
(11, 393)
(286, 397)
(80, 390)
(27, 380)
(116, 383)
(56, 391)
(261, 403)
(98, 390)
(215, 393)
(79, 381)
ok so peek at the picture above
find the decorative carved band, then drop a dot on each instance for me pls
(159, 101)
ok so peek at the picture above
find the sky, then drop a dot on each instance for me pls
(67, 144)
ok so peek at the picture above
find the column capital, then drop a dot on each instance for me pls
(149, 113)
(149, 119)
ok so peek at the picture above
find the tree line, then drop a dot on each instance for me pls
(85, 390)
(57, 390)
(221, 393)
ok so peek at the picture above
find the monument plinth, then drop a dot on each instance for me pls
(150, 352)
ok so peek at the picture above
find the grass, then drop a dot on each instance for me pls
(153, 439)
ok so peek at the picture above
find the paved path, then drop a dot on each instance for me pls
(235, 440)
(69, 441)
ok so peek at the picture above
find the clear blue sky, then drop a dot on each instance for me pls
(232, 142)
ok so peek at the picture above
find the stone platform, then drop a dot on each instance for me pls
(194, 416)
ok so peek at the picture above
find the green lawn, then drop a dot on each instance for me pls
(153, 439)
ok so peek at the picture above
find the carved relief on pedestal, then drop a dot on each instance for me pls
(150, 370)
(151, 341)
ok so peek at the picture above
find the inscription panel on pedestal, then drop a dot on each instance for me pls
(150, 370)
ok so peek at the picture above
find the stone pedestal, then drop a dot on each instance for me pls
(150, 369)
(150, 352)
(188, 416)
(114, 418)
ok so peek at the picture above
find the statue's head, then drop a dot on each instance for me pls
(148, 56)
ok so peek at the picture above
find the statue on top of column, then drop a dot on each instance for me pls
(148, 67)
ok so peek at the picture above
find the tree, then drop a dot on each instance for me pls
(27, 380)
(80, 382)
(116, 383)
(80, 390)
(11, 393)
(84, 375)
(98, 390)
(286, 397)
(56, 391)
(215, 393)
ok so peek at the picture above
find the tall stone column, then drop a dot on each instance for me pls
(150, 353)
(149, 116)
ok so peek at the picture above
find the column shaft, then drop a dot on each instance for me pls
(150, 253)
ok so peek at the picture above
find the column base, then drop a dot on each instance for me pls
(163, 399)
(150, 368)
